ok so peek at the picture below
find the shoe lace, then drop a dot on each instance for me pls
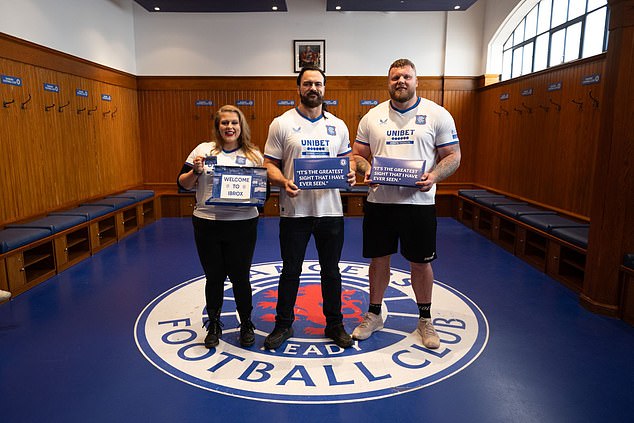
(213, 325)
(429, 328)
(367, 321)
(247, 325)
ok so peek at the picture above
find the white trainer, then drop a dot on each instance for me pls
(428, 333)
(371, 323)
(4, 295)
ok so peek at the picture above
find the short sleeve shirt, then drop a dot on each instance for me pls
(204, 184)
(293, 135)
(416, 134)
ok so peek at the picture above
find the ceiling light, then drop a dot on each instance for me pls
(338, 7)
(157, 9)
(457, 7)
(274, 7)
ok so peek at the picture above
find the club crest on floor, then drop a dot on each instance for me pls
(310, 368)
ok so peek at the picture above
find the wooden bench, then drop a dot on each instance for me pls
(35, 250)
(551, 242)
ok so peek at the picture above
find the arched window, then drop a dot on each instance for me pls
(555, 32)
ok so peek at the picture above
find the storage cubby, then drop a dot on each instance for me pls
(103, 232)
(127, 222)
(466, 212)
(483, 222)
(29, 266)
(272, 205)
(147, 212)
(567, 265)
(532, 247)
(504, 233)
(353, 204)
(72, 247)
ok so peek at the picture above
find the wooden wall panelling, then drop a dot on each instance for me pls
(543, 155)
(462, 105)
(61, 157)
(172, 125)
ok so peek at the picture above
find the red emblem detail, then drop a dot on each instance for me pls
(309, 307)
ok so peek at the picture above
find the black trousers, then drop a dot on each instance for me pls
(225, 249)
(294, 236)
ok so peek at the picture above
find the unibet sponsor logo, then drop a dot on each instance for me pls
(310, 368)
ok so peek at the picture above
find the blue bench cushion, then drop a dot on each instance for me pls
(577, 236)
(113, 202)
(497, 201)
(89, 212)
(473, 193)
(547, 222)
(137, 194)
(516, 210)
(12, 238)
(53, 224)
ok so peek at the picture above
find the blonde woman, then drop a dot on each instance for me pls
(225, 235)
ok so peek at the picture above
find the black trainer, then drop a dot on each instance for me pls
(214, 332)
(247, 333)
(338, 334)
(277, 337)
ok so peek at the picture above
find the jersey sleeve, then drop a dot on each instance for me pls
(362, 131)
(273, 149)
(446, 133)
(344, 147)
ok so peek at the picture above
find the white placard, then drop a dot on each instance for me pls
(235, 187)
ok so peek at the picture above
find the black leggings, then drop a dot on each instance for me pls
(225, 248)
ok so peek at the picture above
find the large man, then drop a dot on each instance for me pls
(304, 132)
(404, 127)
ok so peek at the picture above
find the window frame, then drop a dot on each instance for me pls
(509, 45)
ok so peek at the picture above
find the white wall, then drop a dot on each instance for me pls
(261, 44)
(101, 31)
(464, 41)
(498, 13)
(122, 35)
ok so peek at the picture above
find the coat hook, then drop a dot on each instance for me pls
(546, 108)
(558, 106)
(517, 110)
(578, 103)
(595, 101)
(47, 108)
(497, 113)
(6, 103)
(92, 110)
(530, 110)
(114, 113)
(106, 113)
(23, 105)
(503, 110)
(61, 108)
(80, 110)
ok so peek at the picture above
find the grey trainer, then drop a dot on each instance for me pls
(371, 323)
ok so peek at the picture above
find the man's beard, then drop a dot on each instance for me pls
(310, 101)
(402, 96)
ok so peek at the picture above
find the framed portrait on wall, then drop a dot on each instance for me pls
(309, 53)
